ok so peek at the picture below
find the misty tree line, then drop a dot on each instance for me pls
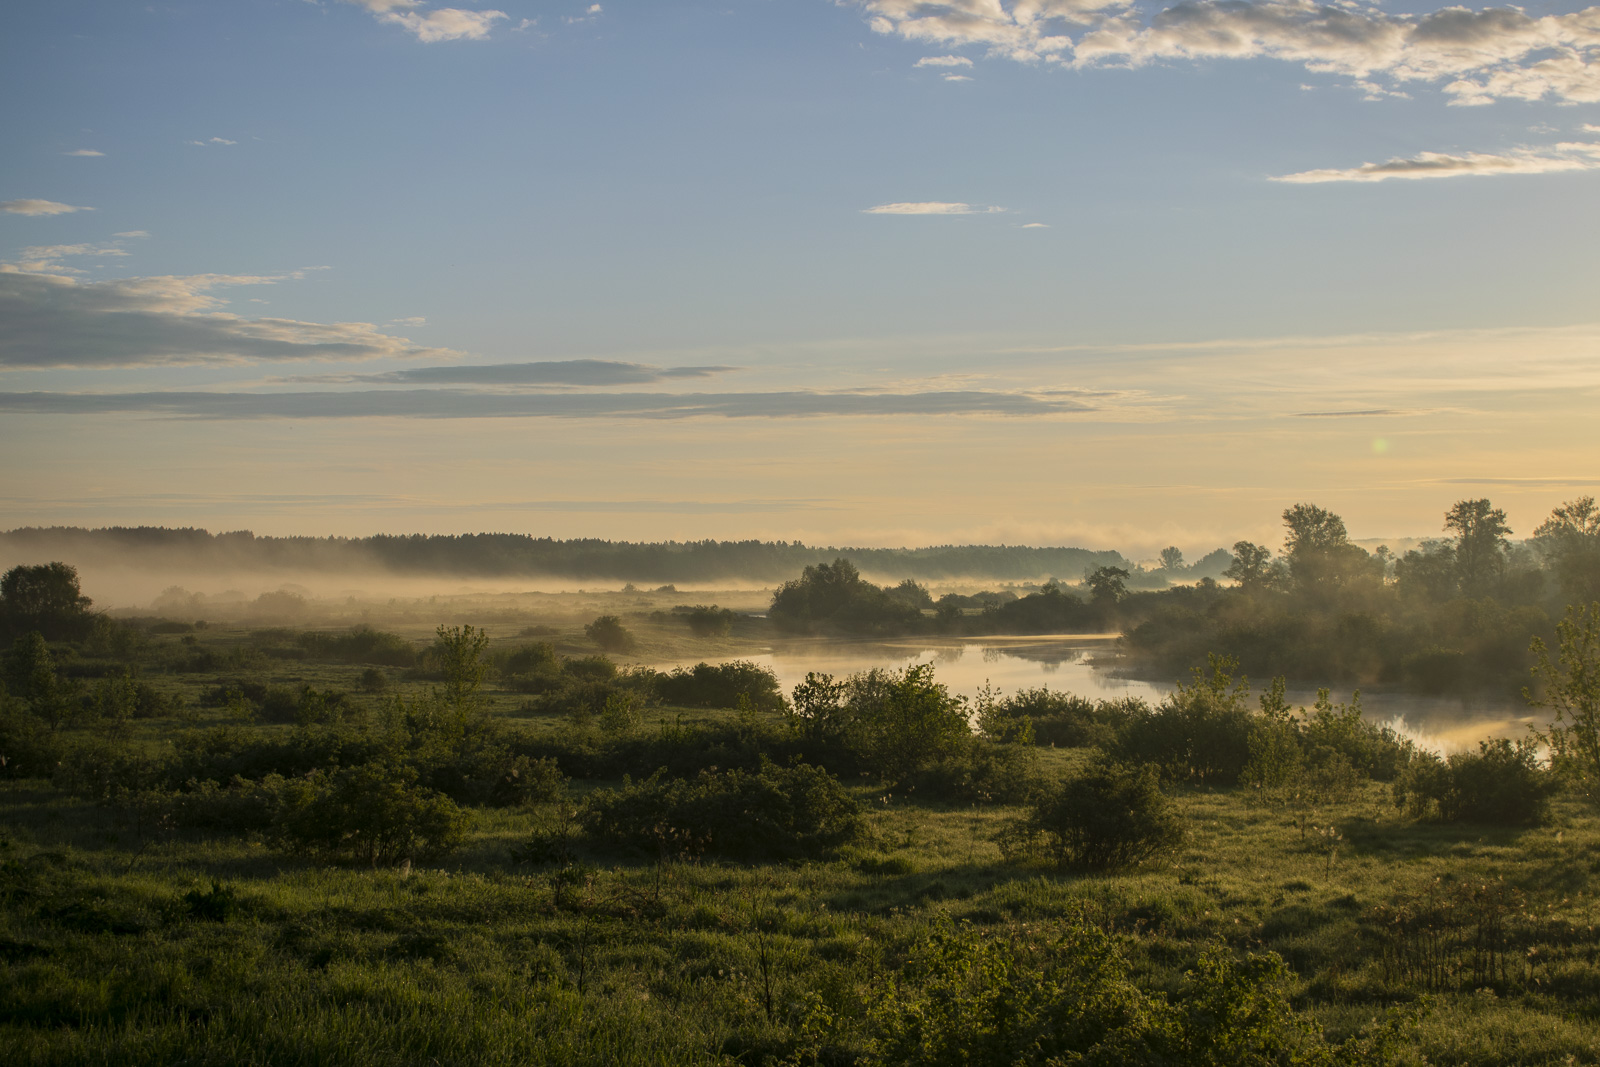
(1458, 612)
(493, 554)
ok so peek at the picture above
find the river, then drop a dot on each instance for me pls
(1087, 664)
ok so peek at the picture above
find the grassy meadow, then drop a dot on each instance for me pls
(129, 935)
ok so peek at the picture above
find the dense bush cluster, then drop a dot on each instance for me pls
(1110, 816)
(1502, 782)
(772, 813)
(970, 999)
(721, 685)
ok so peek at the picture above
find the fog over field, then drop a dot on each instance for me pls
(820, 533)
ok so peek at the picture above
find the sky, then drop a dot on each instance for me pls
(853, 272)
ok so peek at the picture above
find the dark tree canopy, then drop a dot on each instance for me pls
(45, 598)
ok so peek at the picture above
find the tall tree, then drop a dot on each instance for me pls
(1251, 566)
(1480, 542)
(1319, 551)
(1569, 542)
(1107, 585)
(1172, 558)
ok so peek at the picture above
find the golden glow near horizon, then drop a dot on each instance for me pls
(867, 272)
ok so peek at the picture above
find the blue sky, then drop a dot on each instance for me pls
(872, 272)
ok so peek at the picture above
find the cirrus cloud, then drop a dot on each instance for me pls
(39, 207)
(1475, 56)
(463, 404)
(1567, 156)
(930, 207)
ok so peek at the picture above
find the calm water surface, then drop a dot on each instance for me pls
(1087, 664)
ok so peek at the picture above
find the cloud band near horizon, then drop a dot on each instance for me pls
(465, 404)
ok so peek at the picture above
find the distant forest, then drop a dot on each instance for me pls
(497, 555)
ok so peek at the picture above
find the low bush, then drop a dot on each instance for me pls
(894, 724)
(981, 771)
(708, 621)
(1063, 720)
(28, 748)
(1110, 817)
(967, 997)
(362, 644)
(608, 632)
(773, 813)
(374, 813)
(1502, 782)
(707, 685)
(1201, 733)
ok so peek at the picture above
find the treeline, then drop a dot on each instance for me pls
(1457, 613)
(498, 554)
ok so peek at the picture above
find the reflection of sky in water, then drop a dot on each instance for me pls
(1079, 664)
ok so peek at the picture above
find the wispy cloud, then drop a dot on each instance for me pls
(39, 207)
(589, 372)
(454, 404)
(48, 320)
(439, 24)
(46, 259)
(132, 233)
(213, 140)
(83, 152)
(1475, 57)
(1566, 156)
(944, 61)
(930, 207)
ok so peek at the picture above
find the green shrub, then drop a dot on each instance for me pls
(894, 723)
(1375, 751)
(374, 813)
(970, 999)
(1064, 720)
(608, 632)
(1200, 733)
(720, 685)
(774, 813)
(28, 748)
(362, 644)
(1110, 817)
(709, 621)
(1502, 782)
(979, 770)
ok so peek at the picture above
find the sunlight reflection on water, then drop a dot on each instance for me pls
(1085, 664)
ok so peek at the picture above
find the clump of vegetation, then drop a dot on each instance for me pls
(374, 813)
(834, 596)
(773, 813)
(362, 645)
(708, 621)
(721, 685)
(608, 632)
(893, 723)
(967, 997)
(1109, 817)
(1570, 688)
(46, 599)
(1500, 783)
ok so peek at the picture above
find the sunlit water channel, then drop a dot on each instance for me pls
(1087, 664)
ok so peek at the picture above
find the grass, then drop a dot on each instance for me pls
(106, 956)
(622, 961)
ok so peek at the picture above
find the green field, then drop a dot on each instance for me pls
(130, 933)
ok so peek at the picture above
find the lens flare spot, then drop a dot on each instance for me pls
(1380, 446)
